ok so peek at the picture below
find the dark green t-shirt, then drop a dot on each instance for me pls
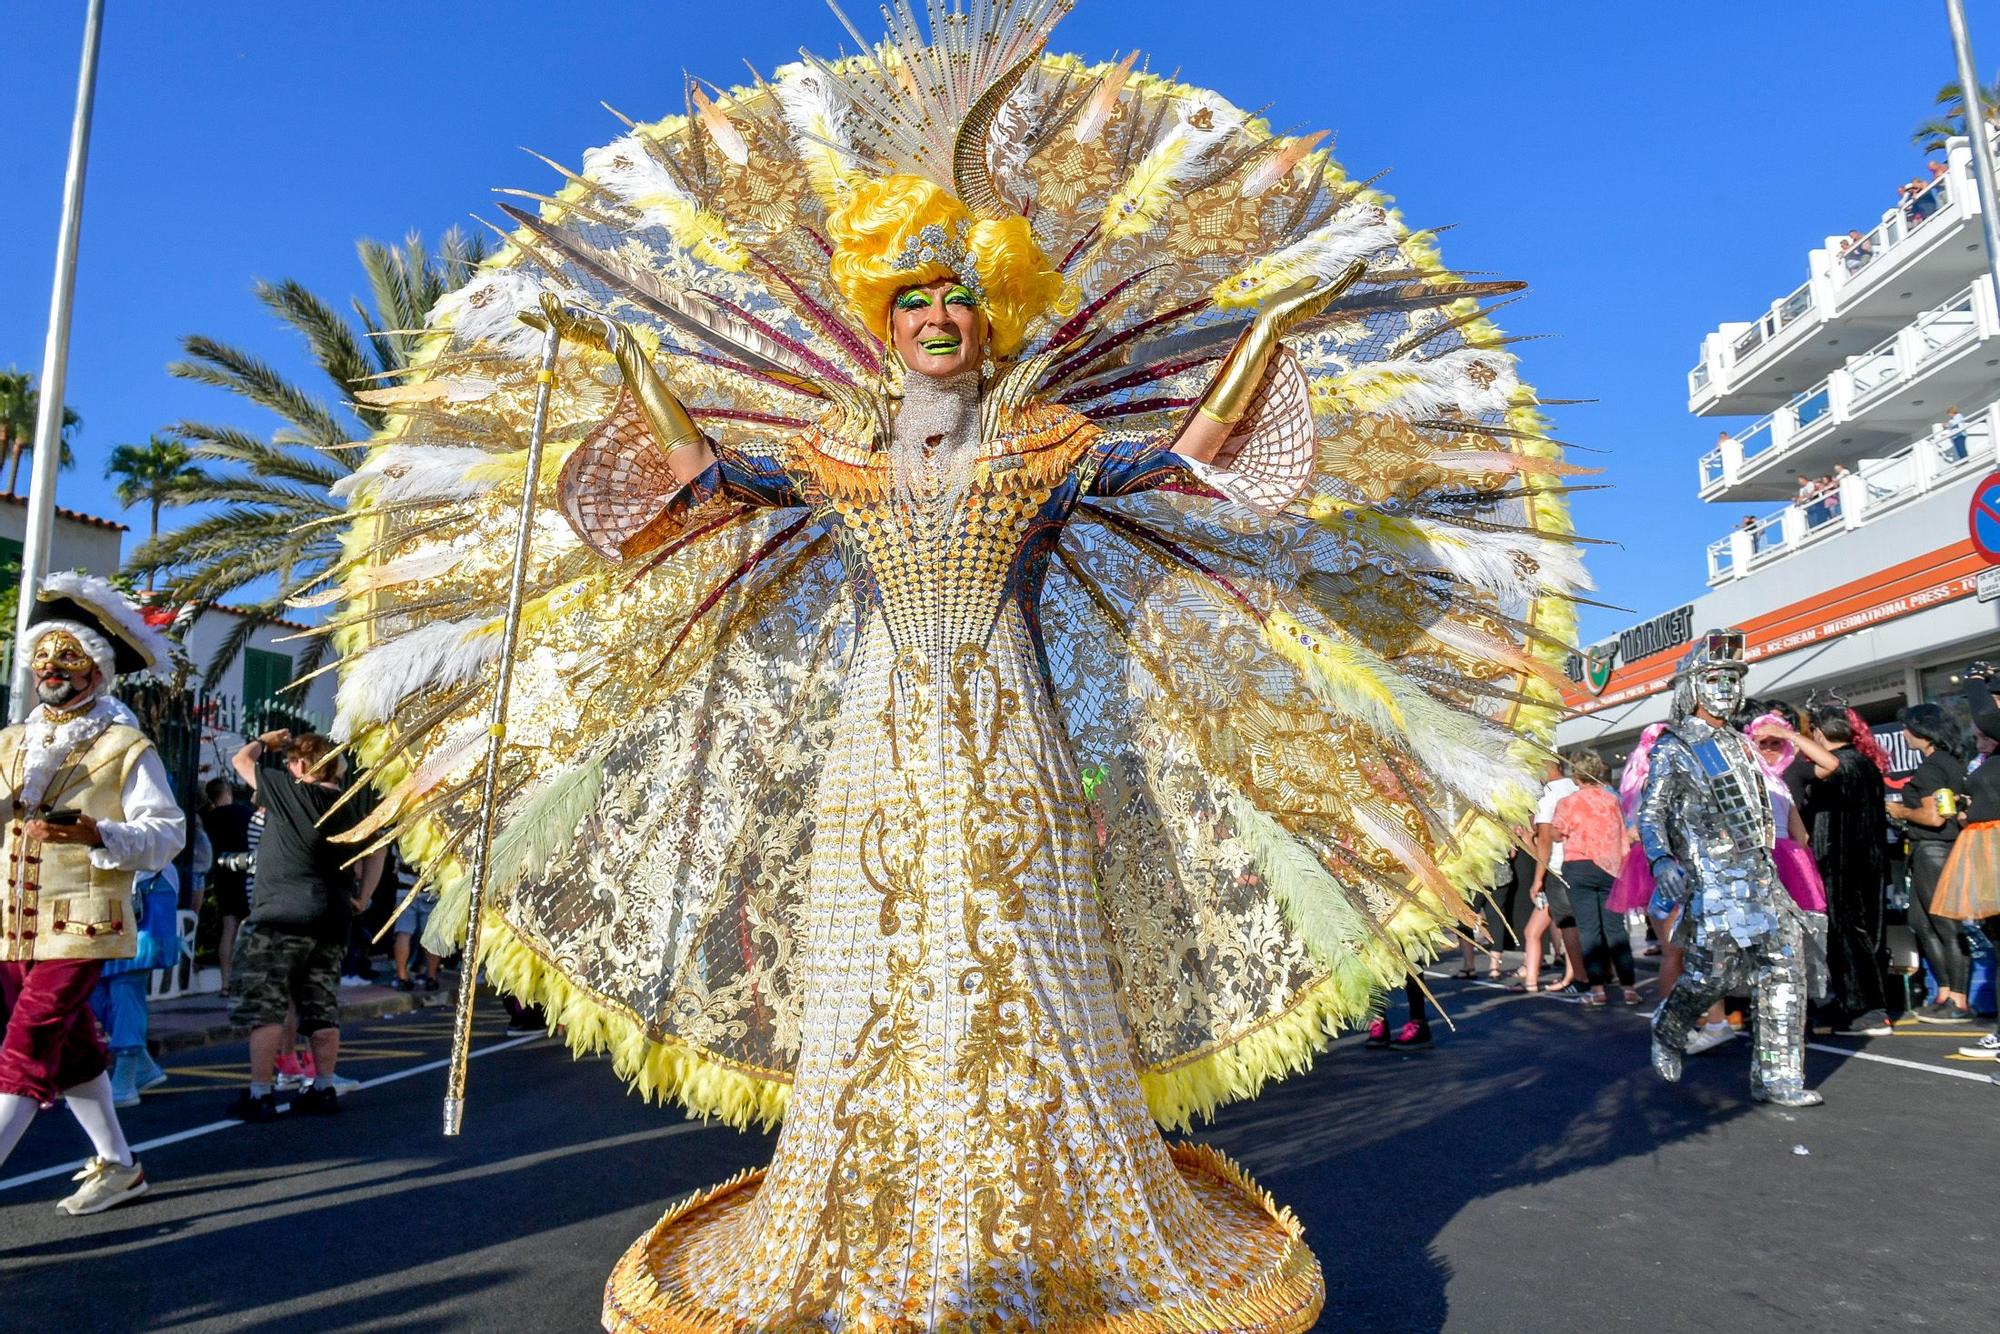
(301, 885)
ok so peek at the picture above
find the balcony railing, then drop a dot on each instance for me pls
(1911, 351)
(1857, 255)
(1946, 454)
(1768, 325)
(1853, 256)
(1946, 326)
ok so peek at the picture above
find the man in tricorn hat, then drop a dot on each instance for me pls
(1707, 825)
(91, 810)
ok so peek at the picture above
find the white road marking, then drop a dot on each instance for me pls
(1976, 1076)
(30, 1178)
(1897, 1060)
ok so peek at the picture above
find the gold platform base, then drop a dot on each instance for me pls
(640, 1296)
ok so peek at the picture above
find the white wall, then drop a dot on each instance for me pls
(214, 624)
(76, 545)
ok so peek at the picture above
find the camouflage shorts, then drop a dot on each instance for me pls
(273, 970)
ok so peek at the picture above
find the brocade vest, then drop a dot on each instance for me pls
(54, 904)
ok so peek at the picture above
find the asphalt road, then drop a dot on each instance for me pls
(1526, 1173)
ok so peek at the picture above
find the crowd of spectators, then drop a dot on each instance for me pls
(292, 926)
(1819, 496)
(1877, 850)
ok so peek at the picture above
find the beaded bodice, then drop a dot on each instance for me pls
(939, 587)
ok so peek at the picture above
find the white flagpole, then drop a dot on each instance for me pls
(55, 365)
(1977, 132)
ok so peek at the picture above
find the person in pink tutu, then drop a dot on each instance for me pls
(1797, 871)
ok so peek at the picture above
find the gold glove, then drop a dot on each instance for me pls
(1236, 384)
(671, 425)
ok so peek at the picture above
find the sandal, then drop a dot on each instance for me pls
(1466, 974)
(1518, 986)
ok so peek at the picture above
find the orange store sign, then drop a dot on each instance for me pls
(1912, 586)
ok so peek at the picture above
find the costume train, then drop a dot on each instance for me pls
(1048, 597)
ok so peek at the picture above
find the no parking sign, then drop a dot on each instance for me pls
(1982, 520)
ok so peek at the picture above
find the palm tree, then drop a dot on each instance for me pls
(156, 473)
(1930, 136)
(276, 511)
(20, 400)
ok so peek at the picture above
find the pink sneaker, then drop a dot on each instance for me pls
(1413, 1035)
(1378, 1033)
(308, 1068)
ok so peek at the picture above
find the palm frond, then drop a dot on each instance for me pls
(335, 347)
(271, 512)
(246, 623)
(226, 442)
(239, 372)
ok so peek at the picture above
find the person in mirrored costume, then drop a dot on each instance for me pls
(1705, 821)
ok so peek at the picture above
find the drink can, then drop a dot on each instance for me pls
(1947, 803)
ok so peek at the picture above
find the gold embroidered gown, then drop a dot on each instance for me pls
(967, 1140)
(971, 855)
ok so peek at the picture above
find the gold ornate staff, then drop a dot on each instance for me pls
(496, 736)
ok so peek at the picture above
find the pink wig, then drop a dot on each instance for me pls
(1633, 777)
(1785, 757)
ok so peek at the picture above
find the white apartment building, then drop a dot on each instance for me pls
(1876, 382)
(92, 543)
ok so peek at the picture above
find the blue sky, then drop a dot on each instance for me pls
(1651, 170)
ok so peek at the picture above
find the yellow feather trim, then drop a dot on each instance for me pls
(659, 1070)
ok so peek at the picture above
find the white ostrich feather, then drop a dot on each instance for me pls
(1464, 381)
(1498, 561)
(1179, 156)
(629, 173)
(443, 653)
(1355, 234)
(416, 472)
(488, 310)
(821, 121)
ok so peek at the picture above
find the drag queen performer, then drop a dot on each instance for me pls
(1706, 822)
(939, 427)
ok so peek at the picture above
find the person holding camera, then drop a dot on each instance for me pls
(288, 954)
(92, 811)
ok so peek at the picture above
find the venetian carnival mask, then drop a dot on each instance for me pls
(63, 668)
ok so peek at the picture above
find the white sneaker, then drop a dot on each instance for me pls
(1709, 1037)
(343, 1085)
(1987, 1048)
(105, 1185)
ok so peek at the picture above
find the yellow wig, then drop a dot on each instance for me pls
(872, 225)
